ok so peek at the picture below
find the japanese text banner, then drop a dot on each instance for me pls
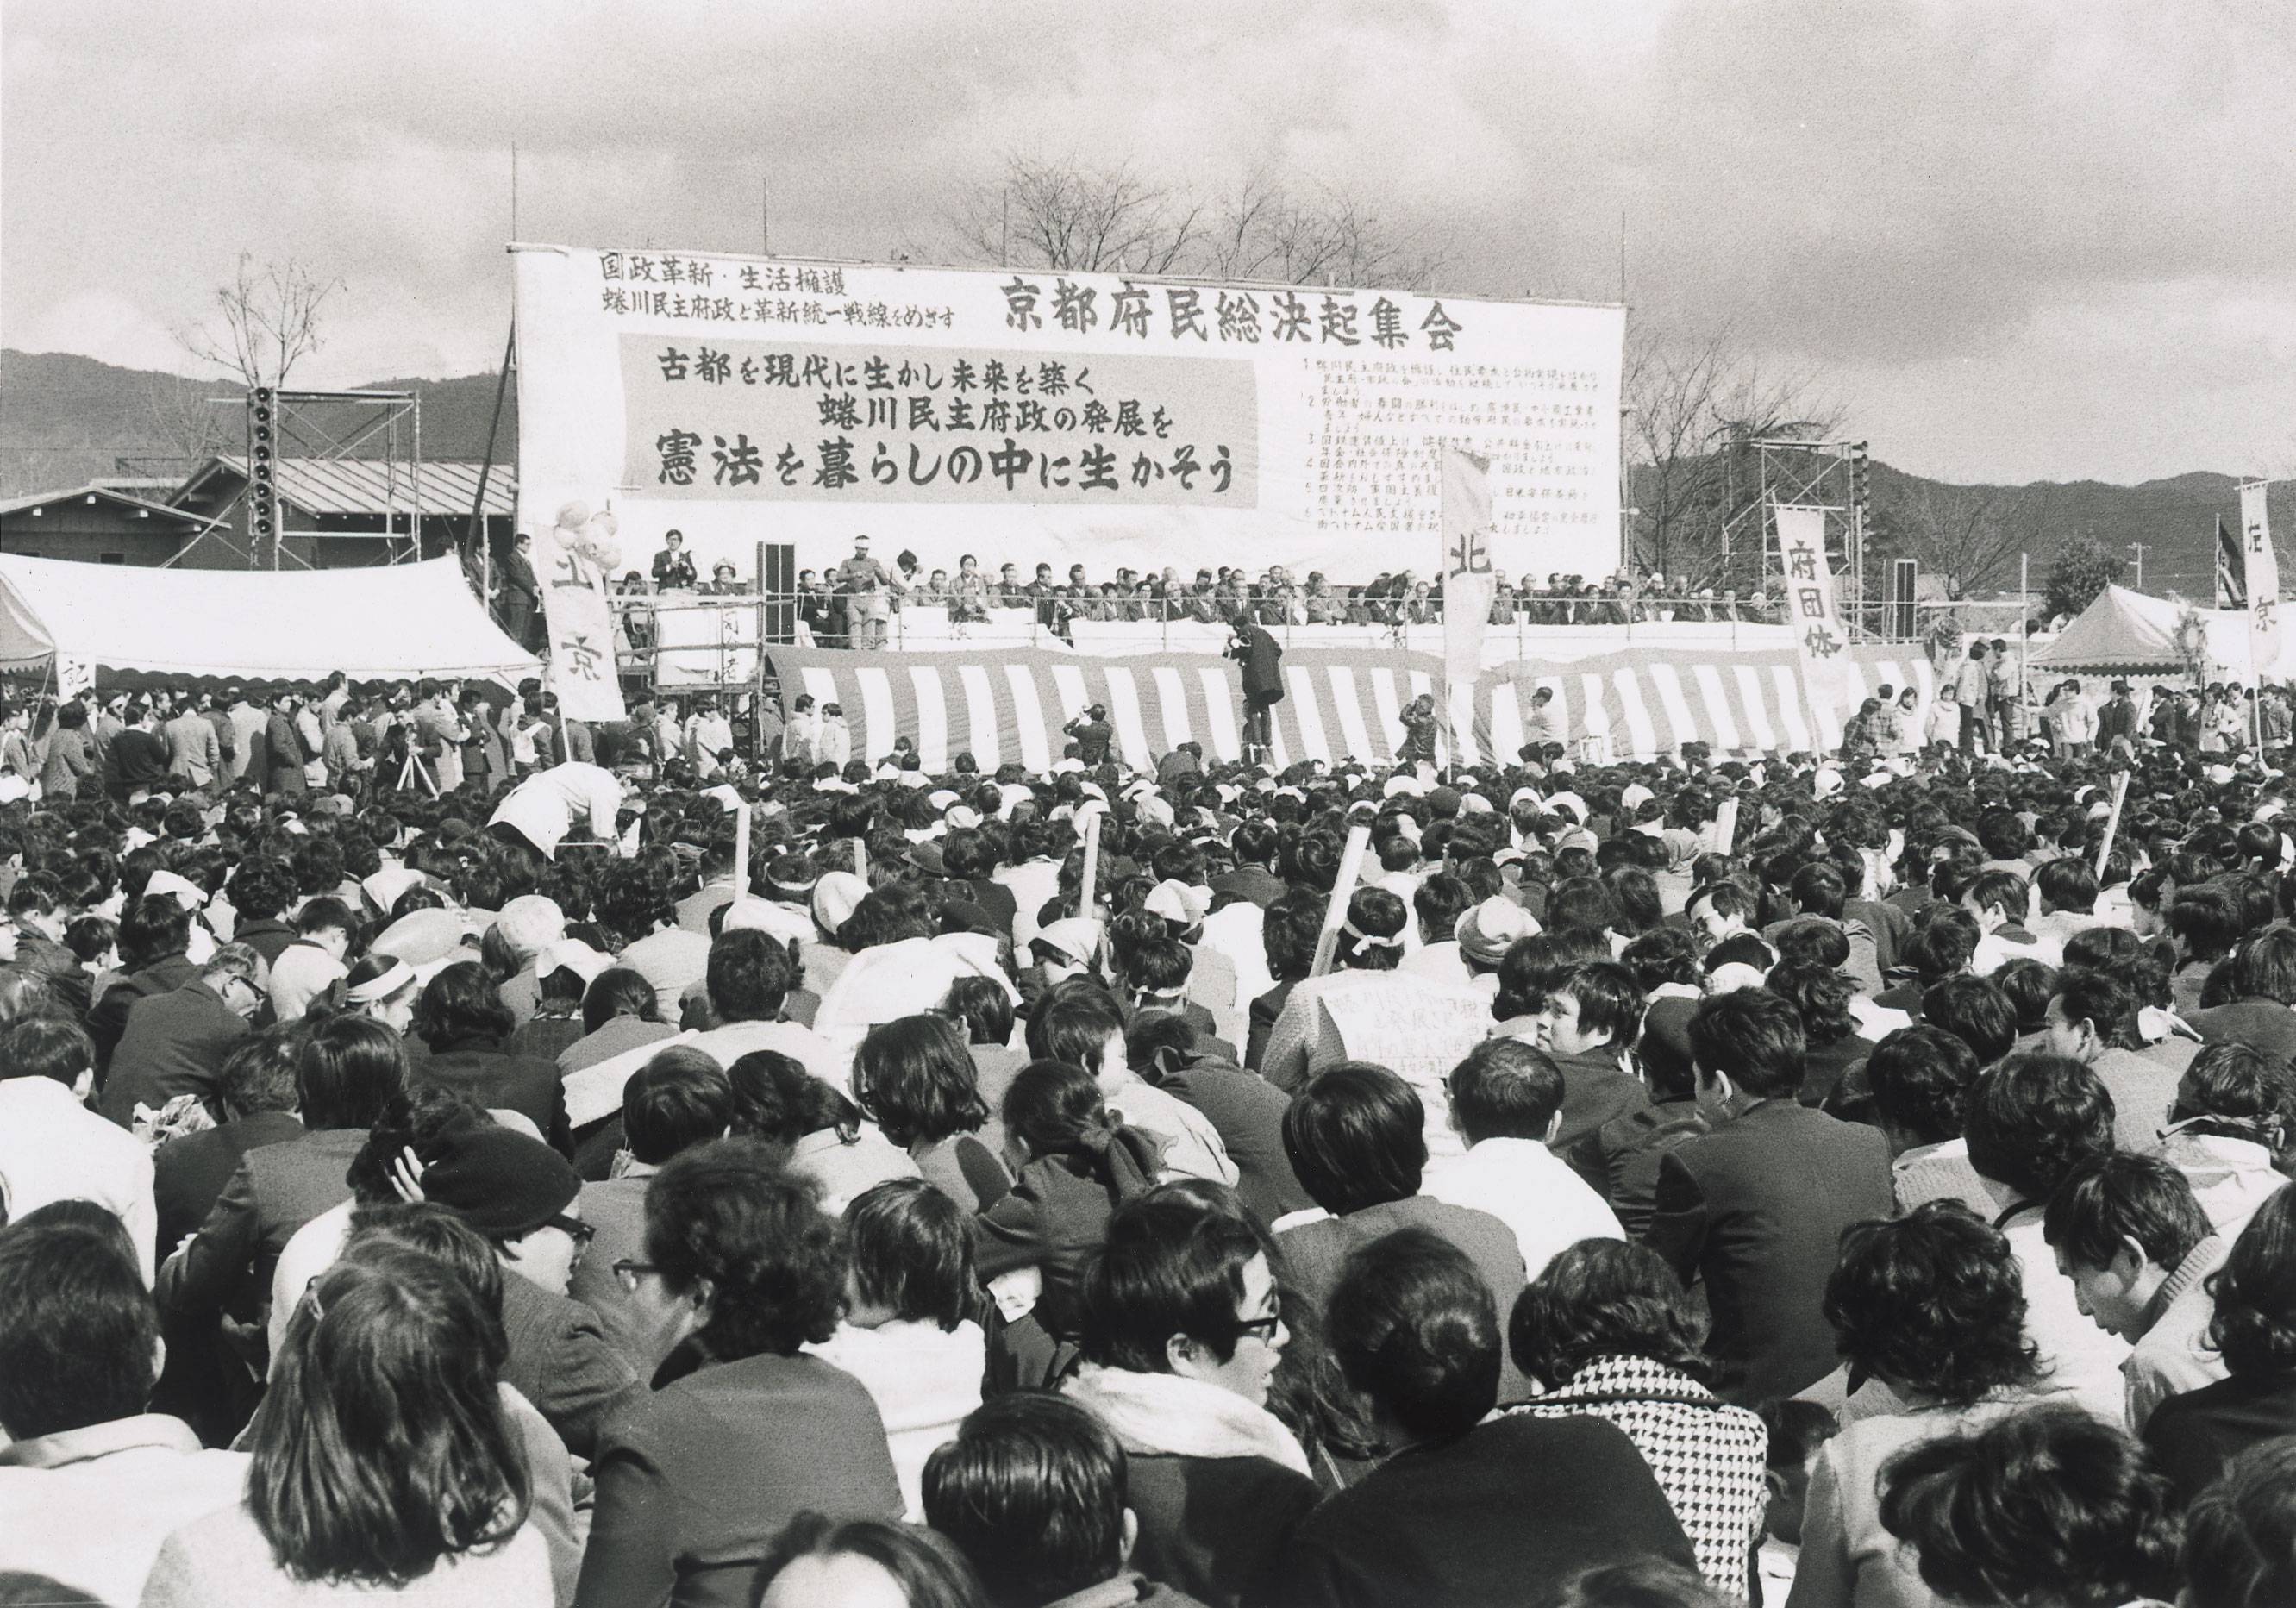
(1037, 417)
(1812, 613)
(2263, 577)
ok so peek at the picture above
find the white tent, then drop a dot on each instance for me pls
(390, 622)
(2128, 633)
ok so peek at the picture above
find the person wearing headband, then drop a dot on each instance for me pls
(1366, 1009)
(384, 988)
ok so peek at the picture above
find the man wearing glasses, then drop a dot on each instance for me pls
(521, 1195)
(175, 1044)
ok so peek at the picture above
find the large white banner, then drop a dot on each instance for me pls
(1036, 417)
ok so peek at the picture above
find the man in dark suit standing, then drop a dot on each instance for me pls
(520, 600)
(1263, 681)
(1757, 1207)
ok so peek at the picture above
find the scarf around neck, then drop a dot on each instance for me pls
(1168, 1414)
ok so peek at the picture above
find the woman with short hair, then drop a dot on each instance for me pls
(915, 1076)
(1606, 1329)
(743, 1431)
(2048, 1509)
(1932, 1305)
(382, 1460)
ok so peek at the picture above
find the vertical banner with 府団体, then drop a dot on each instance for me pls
(1044, 417)
(1468, 584)
(2263, 574)
(1812, 612)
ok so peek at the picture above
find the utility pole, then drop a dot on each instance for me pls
(2139, 548)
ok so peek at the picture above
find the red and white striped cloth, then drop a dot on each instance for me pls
(1008, 704)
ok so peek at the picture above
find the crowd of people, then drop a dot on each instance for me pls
(1828, 1181)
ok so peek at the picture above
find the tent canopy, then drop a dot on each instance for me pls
(2128, 632)
(2121, 630)
(393, 621)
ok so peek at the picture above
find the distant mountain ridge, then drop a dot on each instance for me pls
(65, 420)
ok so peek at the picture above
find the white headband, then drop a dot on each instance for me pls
(381, 986)
(1394, 941)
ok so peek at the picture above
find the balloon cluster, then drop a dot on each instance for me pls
(589, 537)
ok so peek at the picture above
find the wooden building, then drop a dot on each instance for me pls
(96, 524)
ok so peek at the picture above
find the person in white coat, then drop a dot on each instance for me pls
(541, 811)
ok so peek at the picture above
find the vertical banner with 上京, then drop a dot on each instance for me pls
(2263, 574)
(1812, 613)
(574, 564)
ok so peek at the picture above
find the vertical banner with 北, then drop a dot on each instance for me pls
(1813, 616)
(1468, 584)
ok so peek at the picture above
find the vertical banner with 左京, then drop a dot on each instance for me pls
(1813, 615)
(2263, 576)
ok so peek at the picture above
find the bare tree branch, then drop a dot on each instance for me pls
(1691, 397)
(1062, 215)
(265, 321)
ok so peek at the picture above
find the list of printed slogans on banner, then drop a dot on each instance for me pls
(787, 421)
(1376, 421)
(1815, 619)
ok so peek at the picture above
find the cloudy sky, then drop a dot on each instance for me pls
(2018, 239)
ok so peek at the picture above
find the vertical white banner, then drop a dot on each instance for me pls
(2263, 570)
(1811, 611)
(1468, 583)
(574, 561)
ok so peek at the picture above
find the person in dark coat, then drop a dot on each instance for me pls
(1259, 653)
(176, 1043)
(154, 933)
(1357, 1137)
(257, 1094)
(1037, 1493)
(519, 1195)
(1247, 1110)
(1093, 734)
(743, 1431)
(2264, 989)
(462, 1020)
(285, 752)
(1464, 1511)
(521, 593)
(1182, 1329)
(346, 1073)
(1757, 1207)
(1073, 1165)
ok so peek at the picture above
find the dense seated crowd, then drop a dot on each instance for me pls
(486, 1189)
